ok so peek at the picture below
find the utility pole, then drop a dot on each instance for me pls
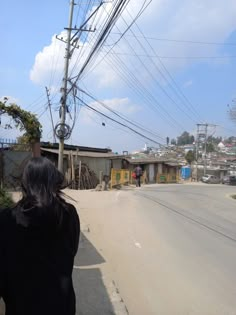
(61, 131)
(205, 150)
(197, 150)
(200, 141)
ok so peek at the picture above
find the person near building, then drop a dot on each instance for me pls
(39, 239)
(138, 173)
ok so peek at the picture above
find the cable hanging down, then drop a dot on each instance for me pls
(120, 123)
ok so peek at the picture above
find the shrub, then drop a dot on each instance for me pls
(5, 199)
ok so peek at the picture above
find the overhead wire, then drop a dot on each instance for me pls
(82, 49)
(120, 123)
(112, 126)
(118, 8)
(137, 86)
(120, 115)
(187, 102)
(185, 41)
(165, 92)
(161, 73)
(173, 57)
(168, 116)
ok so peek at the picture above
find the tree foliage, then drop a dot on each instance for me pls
(22, 144)
(190, 157)
(5, 199)
(167, 140)
(210, 147)
(24, 120)
(185, 138)
(214, 140)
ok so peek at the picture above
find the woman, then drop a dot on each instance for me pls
(38, 242)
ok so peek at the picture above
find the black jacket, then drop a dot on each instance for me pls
(36, 264)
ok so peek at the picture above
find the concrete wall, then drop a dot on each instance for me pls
(117, 164)
(151, 173)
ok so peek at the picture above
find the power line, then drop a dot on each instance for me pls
(185, 41)
(114, 120)
(121, 115)
(118, 8)
(173, 86)
(174, 57)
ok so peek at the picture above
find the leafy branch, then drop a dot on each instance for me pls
(24, 120)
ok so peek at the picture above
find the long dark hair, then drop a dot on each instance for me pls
(41, 193)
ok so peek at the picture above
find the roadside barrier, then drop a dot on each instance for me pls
(167, 178)
(119, 177)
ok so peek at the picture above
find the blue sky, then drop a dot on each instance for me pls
(175, 67)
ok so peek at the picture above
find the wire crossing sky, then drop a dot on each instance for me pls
(159, 67)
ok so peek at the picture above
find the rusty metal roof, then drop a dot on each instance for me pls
(81, 153)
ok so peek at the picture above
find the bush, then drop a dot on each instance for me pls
(5, 199)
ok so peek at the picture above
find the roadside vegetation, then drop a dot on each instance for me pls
(5, 199)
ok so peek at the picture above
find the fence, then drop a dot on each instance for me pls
(167, 178)
(119, 177)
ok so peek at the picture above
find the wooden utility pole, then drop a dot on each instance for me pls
(64, 90)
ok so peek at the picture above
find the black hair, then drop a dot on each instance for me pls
(41, 193)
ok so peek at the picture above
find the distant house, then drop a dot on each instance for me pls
(188, 147)
(153, 167)
(221, 146)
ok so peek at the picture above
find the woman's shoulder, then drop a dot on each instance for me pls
(6, 219)
(72, 211)
(5, 215)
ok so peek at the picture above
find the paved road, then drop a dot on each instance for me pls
(171, 249)
(163, 249)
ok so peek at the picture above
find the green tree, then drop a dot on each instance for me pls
(23, 120)
(5, 199)
(23, 144)
(26, 122)
(214, 140)
(210, 147)
(167, 140)
(173, 142)
(189, 156)
(185, 138)
(230, 140)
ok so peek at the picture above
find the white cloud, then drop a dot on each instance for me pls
(122, 105)
(204, 20)
(48, 62)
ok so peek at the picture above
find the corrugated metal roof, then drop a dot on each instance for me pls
(153, 160)
(81, 153)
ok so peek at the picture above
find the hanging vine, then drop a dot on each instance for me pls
(23, 120)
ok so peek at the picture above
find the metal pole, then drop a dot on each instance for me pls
(205, 149)
(64, 89)
(197, 148)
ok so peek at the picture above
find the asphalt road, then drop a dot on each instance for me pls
(158, 249)
(171, 249)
